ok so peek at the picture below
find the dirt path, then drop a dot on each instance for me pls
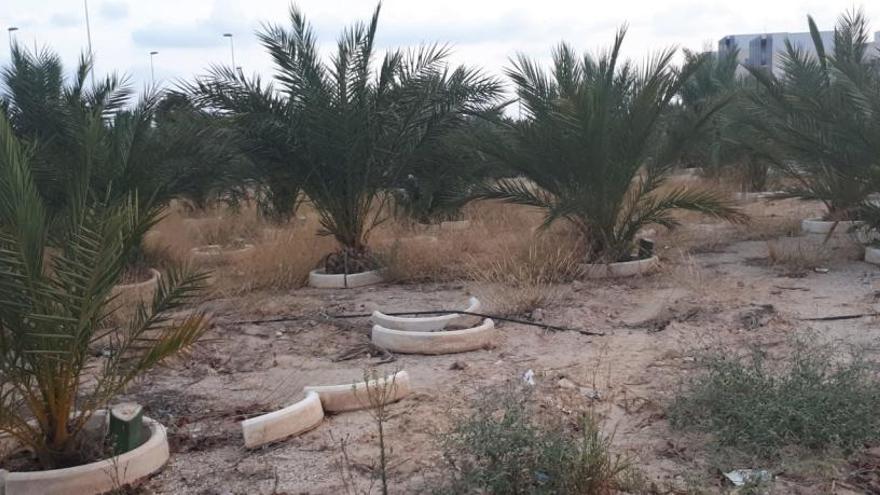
(654, 327)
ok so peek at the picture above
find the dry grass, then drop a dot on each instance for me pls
(414, 253)
(280, 259)
(520, 282)
(797, 254)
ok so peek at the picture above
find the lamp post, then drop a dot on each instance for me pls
(11, 30)
(89, 37)
(152, 68)
(231, 47)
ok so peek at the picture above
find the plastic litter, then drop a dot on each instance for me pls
(740, 477)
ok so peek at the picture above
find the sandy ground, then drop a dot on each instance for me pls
(712, 297)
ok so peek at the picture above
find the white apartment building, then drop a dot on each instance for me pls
(766, 50)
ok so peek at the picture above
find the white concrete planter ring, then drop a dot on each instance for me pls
(148, 284)
(872, 255)
(444, 342)
(321, 280)
(819, 226)
(455, 225)
(422, 323)
(96, 477)
(354, 396)
(216, 252)
(292, 420)
(621, 269)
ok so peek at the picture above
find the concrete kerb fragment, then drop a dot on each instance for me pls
(97, 477)
(292, 420)
(352, 397)
(443, 342)
(422, 323)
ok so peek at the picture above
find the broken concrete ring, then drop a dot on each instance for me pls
(421, 323)
(443, 342)
(292, 420)
(321, 280)
(351, 397)
(96, 477)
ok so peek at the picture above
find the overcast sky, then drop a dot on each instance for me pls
(188, 33)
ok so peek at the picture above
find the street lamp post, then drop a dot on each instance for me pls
(152, 68)
(231, 48)
(11, 30)
(89, 37)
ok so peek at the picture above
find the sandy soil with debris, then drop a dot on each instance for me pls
(720, 292)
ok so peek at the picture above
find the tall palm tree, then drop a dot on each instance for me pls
(344, 129)
(593, 150)
(55, 300)
(820, 118)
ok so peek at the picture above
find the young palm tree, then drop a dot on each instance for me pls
(592, 148)
(97, 130)
(713, 79)
(55, 298)
(344, 130)
(820, 119)
(433, 182)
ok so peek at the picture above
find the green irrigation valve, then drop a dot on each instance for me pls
(126, 427)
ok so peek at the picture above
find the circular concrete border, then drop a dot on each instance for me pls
(620, 269)
(872, 255)
(321, 280)
(752, 196)
(819, 226)
(150, 283)
(212, 252)
(96, 477)
(354, 396)
(444, 342)
(421, 323)
(292, 420)
(455, 225)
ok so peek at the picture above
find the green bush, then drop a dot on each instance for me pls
(501, 447)
(816, 399)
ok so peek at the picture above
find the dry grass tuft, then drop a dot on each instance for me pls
(520, 282)
(282, 262)
(421, 254)
(797, 254)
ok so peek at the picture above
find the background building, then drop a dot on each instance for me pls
(766, 50)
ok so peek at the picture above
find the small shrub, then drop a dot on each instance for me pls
(815, 399)
(502, 448)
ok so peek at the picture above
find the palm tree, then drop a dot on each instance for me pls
(593, 150)
(433, 182)
(100, 131)
(344, 130)
(55, 300)
(820, 119)
(203, 162)
(713, 79)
